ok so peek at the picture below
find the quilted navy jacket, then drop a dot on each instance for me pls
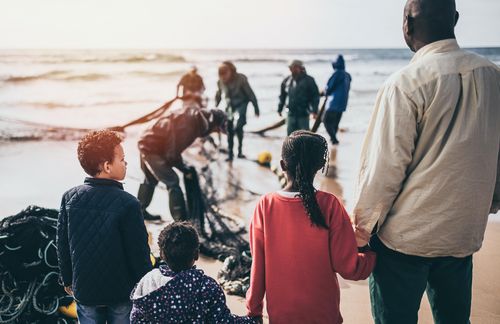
(102, 242)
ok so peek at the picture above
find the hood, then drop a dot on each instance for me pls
(339, 64)
(152, 281)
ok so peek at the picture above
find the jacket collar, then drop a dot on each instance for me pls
(103, 182)
(166, 271)
(442, 46)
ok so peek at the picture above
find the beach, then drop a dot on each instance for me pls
(99, 90)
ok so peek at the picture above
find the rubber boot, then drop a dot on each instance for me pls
(177, 204)
(145, 195)
(239, 134)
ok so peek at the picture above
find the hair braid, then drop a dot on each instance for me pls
(305, 153)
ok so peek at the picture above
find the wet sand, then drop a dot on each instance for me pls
(39, 172)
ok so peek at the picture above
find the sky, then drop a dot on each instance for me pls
(226, 23)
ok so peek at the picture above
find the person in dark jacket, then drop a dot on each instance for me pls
(303, 97)
(235, 91)
(161, 148)
(177, 292)
(102, 243)
(337, 91)
(191, 83)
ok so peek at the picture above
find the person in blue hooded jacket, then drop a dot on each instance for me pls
(337, 91)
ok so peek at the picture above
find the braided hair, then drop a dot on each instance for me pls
(305, 153)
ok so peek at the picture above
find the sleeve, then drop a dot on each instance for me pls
(314, 96)
(219, 312)
(344, 256)
(332, 84)
(283, 95)
(62, 242)
(135, 242)
(495, 204)
(250, 95)
(386, 153)
(257, 289)
(218, 95)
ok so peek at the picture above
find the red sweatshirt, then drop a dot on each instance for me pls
(295, 263)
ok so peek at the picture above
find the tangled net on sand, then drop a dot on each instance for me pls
(220, 234)
(30, 290)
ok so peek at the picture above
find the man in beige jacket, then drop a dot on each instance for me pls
(429, 173)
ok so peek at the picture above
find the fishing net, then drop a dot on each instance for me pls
(30, 289)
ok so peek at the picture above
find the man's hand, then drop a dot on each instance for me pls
(69, 290)
(362, 236)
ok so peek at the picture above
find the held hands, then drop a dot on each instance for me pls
(362, 236)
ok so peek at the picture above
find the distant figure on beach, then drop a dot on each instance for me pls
(191, 83)
(235, 92)
(430, 171)
(102, 243)
(300, 94)
(300, 238)
(337, 91)
(161, 148)
(178, 292)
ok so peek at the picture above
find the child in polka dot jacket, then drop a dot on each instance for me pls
(178, 292)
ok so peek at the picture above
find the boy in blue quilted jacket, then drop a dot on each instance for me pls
(178, 292)
(101, 238)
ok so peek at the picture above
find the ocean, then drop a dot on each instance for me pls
(100, 88)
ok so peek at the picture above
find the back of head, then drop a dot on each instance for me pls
(97, 147)
(339, 64)
(427, 21)
(304, 153)
(179, 245)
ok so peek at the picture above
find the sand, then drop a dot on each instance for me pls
(39, 172)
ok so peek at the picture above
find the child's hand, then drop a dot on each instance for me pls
(69, 290)
(362, 236)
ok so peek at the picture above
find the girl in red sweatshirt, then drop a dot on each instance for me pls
(300, 239)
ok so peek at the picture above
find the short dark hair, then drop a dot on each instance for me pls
(179, 244)
(97, 147)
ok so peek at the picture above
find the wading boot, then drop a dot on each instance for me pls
(145, 195)
(177, 204)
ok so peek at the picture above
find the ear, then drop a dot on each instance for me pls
(457, 15)
(408, 25)
(283, 166)
(106, 167)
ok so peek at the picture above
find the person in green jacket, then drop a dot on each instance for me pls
(303, 97)
(235, 91)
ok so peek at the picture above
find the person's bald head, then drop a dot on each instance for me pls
(427, 21)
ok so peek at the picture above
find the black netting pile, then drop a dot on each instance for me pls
(220, 234)
(29, 274)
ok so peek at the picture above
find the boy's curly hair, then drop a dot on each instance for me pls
(179, 244)
(95, 148)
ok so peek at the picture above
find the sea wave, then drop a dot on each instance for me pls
(92, 58)
(56, 75)
(59, 105)
(60, 75)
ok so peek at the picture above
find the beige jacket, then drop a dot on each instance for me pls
(429, 172)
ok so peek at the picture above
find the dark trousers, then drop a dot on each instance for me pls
(234, 130)
(294, 123)
(399, 281)
(115, 314)
(331, 121)
(156, 169)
